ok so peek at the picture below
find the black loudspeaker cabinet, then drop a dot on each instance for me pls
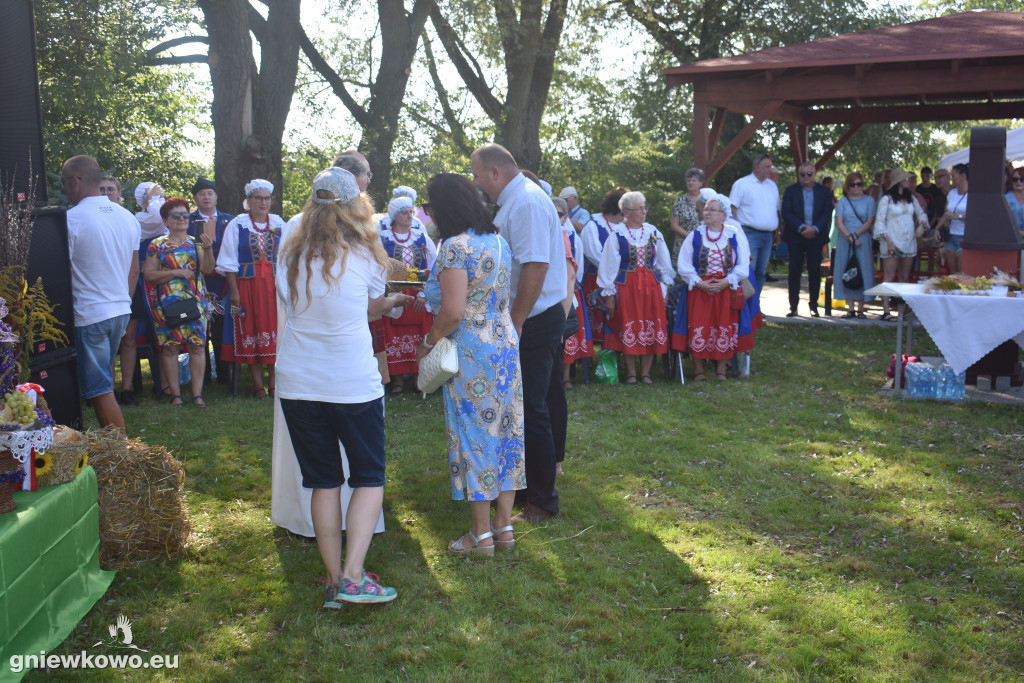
(21, 122)
(49, 259)
(55, 368)
(57, 372)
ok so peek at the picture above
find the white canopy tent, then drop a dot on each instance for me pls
(1014, 150)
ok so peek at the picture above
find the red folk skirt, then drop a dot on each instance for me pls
(639, 324)
(712, 326)
(403, 336)
(255, 333)
(578, 346)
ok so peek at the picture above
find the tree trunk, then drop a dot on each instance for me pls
(250, 106)
(400, 35)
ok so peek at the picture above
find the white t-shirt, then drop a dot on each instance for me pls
(325, 352)
(103, 238)
(529, 223)
(957, 203)
(757, 202)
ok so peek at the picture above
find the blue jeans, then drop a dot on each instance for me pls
(97, 345)
(760, 242)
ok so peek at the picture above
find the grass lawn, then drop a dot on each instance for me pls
(793, 526)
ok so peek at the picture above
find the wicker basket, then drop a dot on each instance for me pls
(7, 464)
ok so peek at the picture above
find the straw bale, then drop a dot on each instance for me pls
(143, 516)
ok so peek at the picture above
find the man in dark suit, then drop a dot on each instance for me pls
(206, 218)
(806, 220)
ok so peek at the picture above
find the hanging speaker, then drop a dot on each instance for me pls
(21, 123)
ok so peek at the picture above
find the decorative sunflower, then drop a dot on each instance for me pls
(82, 462)
(44, 462)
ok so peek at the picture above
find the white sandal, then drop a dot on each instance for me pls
(457, 545)
(498, 543)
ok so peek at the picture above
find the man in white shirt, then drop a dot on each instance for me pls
(103, 241)
(578, 216)
(529, 223)
(755, 204)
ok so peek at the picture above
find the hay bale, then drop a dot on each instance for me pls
(68, 448)
(143, 516)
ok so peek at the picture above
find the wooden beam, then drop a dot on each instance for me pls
(839, 144)
(798, 135)
(702, 150)
(716, 129)
(787, 113)
(716, 164)
(910, 113)
(825, 84)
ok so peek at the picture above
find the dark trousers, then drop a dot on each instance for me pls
(798, 249)
(538, 350)
(558, 407)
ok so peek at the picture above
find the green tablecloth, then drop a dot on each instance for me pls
(50, 574)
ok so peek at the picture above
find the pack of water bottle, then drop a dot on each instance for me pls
(924, 380)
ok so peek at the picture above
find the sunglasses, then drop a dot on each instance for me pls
(857, 184)
(177, 214)
(560, 214)
(806, 175)
(1018, 179)
(425, 206)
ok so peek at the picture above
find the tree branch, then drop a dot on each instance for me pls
(455, 127)
(175, 42)
(333, 79)
(468, 68)
(180, 59)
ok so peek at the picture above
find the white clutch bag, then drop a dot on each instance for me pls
(438, 366)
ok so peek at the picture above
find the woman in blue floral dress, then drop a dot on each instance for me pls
(468, 290)
(173, 270)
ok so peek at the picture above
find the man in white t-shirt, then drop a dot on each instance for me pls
(103, 241)
(529, 223)
(755, 204)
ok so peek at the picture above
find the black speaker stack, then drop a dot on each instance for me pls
(21, 149)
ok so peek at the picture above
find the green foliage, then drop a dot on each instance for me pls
(99, 97)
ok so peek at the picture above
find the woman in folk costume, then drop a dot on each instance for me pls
(633, 275)
(248, 261)
(419, 217)
(580, 344)
(403, 336)
(713, 260)
(594, 234)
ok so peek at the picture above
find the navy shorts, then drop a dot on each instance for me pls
(316, 428)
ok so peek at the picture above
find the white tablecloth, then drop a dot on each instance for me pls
(965, 328)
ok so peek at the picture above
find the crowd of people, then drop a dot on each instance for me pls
(540, 278)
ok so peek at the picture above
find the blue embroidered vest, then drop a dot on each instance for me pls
(700, 255)
(628, 259)
(418, 246)
(249, 249)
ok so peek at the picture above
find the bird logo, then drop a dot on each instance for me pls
(121, 635)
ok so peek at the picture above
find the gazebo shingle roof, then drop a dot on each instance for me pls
(970, 35)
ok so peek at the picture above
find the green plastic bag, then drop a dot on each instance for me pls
(606, 367)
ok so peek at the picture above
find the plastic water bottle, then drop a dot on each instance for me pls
(927, 381)
(957, 387)
(948, 380)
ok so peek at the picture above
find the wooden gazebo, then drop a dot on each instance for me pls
(958, 67)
